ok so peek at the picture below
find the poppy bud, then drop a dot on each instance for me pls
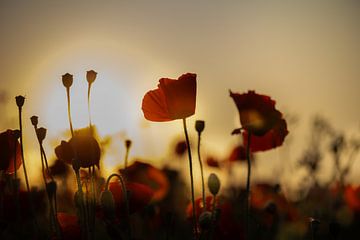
(34, 120)
(107, 203)
(20, 101)
(205, 220)
(199, 126)
(91, 76)
(67, 80)
(41, 134)
(128, 143)
(17, 134)
(214, 184)
(51, 189)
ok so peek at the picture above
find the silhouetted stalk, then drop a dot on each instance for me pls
(88, 99)
(125, 193)
(191, 180)
(202, 173)
(126, 157)
(247, 202)
(25, 172)
(69, 110)
(16, 190)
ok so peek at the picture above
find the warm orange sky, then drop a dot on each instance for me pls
(304, 54)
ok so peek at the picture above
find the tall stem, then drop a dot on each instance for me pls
(22, 151)
(126, 158)
(247, 202)
(202, 173)
(69, 110)
(191, 180)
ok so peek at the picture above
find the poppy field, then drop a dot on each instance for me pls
(140, 201)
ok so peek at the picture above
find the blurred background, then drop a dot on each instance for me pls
(304, 54)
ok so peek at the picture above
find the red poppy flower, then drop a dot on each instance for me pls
(259, 117)
(150, 176)
(352, 197)
(173, 99)
(8, 144)
(139, 196)
(84, 146)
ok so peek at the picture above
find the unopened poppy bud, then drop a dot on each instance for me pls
(128, 143)
(41, 134)
(205, 220)
(17, 133)
(34, 120)
(20, 101)
(51, 189)
(67, 80)
(214, 184)
(107, 203)
(91, 76)
(199, 126)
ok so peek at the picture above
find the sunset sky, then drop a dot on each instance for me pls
(304, 54)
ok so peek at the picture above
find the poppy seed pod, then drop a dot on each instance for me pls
(214, 184)
(205, 220)
(41, 134)
(20, 101)
(199, 126)
(34, 120)
(128, 143)
(91, 76)
(107, 203)
(67, 80)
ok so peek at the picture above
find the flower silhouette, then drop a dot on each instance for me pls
(259, 117)
(9, 151)
(173, 99)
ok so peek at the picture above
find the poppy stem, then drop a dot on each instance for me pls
(88, 99)
(125, 193)
(247, 202)
(16, 189)
(69, 110)
(126, 157)
(202, 173)
(191, 180)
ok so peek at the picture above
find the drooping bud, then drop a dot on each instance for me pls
(41, 134)
(91, 76)
(128, 143)
(107, 203)
(199, 126)
(34, 120)
(20, 101)
(214, 184)
(67, 80)
(205, 220)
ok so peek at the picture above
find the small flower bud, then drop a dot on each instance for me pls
(20, 101)
(41, 134)
(51, 189)
(128, 143)
(34, 120)
(205, 220)
(199, 126)
(214, 184)
(107, 203)
(67, 80)
(91, 76)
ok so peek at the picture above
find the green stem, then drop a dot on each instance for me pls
(202, 173)
(125, 193)
(247, 202)
(191, 180)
